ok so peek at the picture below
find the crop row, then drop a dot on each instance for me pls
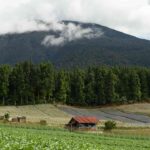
(31, 139)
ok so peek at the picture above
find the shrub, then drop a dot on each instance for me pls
(43, 122)
(6, 116)
(1, 117)
(109, 125)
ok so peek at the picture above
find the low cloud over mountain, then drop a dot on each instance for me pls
(71, 44)
(129, 16)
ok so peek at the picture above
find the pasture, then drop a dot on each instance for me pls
(35, 113)
(127, 115)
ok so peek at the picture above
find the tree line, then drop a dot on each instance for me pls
(27, 83)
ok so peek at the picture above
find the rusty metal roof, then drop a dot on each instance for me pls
(82, 119)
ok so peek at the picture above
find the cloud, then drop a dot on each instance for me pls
(130, 16)
(51, 40)
(68, 33)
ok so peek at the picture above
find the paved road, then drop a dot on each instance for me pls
(108, 114)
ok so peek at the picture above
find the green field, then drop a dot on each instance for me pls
(59, 139)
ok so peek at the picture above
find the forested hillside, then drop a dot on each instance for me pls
(111, 48)
(27, 83)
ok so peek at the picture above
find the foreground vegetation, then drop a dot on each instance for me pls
(59, 139)
(26, 83)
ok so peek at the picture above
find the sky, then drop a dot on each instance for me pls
(129, 16)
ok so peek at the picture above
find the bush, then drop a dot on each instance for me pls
(109, 125)
(43, 122)
(6, 116)
(2, 117)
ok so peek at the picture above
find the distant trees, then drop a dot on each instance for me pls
(100, 78)
(27, 83)
(77, 87)
(4, 82)
(90, 85)
(61, 87)
(110, 91)
(135, 86)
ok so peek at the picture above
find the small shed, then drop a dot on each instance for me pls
(20, 119)
(2, 117)
(82, 123)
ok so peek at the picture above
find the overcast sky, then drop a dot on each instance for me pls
(129, 16)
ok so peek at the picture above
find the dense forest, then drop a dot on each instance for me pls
(27, 83)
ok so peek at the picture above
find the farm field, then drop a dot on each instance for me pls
(143, 108)
(59, 139)
(35, 113)
(132, 115)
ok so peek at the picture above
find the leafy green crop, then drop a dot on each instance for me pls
(33, 139)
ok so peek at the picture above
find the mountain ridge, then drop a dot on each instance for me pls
(113, 48)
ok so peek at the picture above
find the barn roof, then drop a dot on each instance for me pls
(82, 119)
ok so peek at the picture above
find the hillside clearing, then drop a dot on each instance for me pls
(143, 108)
(35, 113)
(125, 115)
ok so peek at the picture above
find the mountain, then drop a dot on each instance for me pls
(112, 48)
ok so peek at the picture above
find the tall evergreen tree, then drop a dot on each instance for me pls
(28, 90)
(110, 83)
(17, 85)
(90, 88)
(4, 82)
(61, 87)
(135, 86)
(100, 74)
(46, 81)
(144, 83)
(123, 85)
(77, 87)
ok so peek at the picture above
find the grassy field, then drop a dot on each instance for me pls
(49, 139)
(143, 108)
(38, 112)
(32, 136)
(60, 115)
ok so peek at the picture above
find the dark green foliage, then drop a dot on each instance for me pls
(27, 83)
(110, 83)
(90, 87)
(61, 87)
(109, 125)
(123, 87)
(143, 75)
(46, 81)
(6, 116)
(135, 87)
(100, 74)
(17, 85)
(4, 82)
(77, 87)
(113, 48)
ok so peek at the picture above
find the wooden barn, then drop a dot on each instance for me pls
(20, 119)
(82, 123)
(2, 117)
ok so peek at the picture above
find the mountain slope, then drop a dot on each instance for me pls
(112, 48)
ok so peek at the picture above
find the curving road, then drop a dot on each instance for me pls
(108, 114)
